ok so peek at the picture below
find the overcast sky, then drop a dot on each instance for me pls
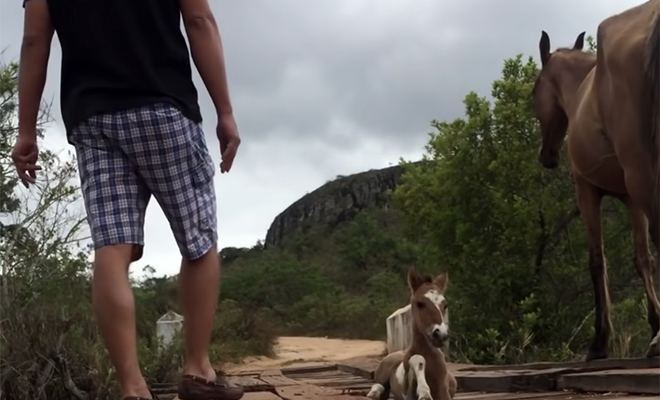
(333, 87)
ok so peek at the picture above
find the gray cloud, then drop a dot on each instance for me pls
(329, 87)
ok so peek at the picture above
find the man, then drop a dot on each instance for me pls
(131, 112)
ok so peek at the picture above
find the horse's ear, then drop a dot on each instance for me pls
(415, 279)
(544, 48)
(441, 281)
(579, 42)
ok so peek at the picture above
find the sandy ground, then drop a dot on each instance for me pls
(299, 351)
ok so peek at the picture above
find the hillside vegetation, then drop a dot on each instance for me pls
(478, 205)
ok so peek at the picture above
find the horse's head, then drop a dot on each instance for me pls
(561, 74)
(429, 306)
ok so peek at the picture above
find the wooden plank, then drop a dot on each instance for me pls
(278, 381)
(250, 383)
(508, 381)
(342, 384)
(260, 396)
(592, 396)
(640, 381)
(340, 397)
(271, 372)
(356, 371)
(309, 369)
(548, 396)
(331, 377)
(508, 396)
(301, 392)
(316, 374)
(244, 373)
(630, 397)
(612, 363)
(362, 392)
(327, 382)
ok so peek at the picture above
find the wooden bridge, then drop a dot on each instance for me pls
(630, 379)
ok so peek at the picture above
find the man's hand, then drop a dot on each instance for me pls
(25, 155)
(229, 141)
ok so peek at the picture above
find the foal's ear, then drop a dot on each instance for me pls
(415, 279)
(441, 281)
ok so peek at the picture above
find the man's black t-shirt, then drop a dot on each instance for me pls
(121, 54)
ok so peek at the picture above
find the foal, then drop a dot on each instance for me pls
(420, 372)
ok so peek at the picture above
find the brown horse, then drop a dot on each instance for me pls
(609, 103)
(420, 372)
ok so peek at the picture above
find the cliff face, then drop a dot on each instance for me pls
(335, 202)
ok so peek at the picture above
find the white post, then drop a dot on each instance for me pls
(399, 329)
(168, 326)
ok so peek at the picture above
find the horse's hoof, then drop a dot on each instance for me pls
(653, 350)
(596, 355)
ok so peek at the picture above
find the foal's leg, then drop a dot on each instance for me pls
(382, 376)
(417, 371)
(645, 266)
(589, 199)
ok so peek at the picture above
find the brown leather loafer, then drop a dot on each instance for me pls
(196, 388)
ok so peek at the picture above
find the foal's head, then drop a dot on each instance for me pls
(562, 72)
(429, 306)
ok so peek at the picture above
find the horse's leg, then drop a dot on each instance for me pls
(588, 200)
(645, 266)
(417, 372)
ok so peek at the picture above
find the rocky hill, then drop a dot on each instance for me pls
(335, 202)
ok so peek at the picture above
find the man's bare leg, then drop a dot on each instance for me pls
(199, 283)
(114, 306)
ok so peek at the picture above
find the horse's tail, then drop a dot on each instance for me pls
(652, 74)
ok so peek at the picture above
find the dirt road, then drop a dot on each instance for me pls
(298, 351)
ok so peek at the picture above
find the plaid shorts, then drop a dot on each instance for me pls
(125, 157)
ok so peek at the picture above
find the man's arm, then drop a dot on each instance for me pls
(206, 50)
(35, 50)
